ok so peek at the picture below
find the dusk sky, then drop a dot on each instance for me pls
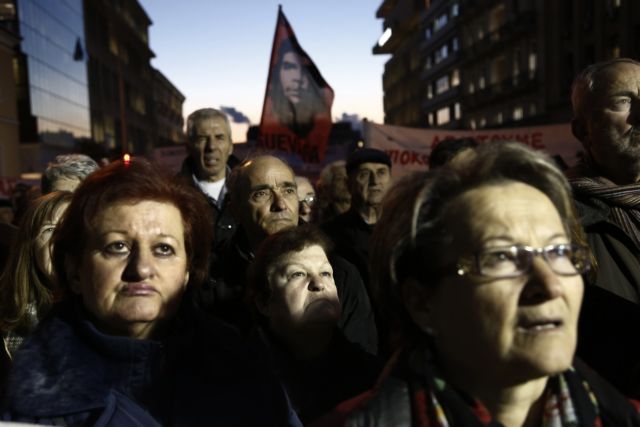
(217, 52)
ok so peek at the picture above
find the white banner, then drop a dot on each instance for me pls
(409, 148)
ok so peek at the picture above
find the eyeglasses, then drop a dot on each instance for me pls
(309, 200)
(513, 261)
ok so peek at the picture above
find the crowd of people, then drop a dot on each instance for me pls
(494, 289)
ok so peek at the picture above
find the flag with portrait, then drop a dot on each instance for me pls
(296, 114)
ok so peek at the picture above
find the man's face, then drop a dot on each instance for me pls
(268, 201)
(369, 183)
(611, 130)
(210, 147)
(293, 77)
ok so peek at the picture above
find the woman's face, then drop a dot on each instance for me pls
(134, 268)
(43, 247)
(303, 292)
(509, 329)
(293, 77)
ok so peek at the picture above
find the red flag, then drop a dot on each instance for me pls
(296, 114)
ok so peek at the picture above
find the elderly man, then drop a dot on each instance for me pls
(606, 108)
(263, 201)
(209, 145)
(369, 178)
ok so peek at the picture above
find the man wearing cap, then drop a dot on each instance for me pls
(369, 178)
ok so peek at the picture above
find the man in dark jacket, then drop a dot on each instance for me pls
(209, 144)
(369, 178)
(606, 108)
(263, 200)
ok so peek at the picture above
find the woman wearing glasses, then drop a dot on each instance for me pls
(482, 260)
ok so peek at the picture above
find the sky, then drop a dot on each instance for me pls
(216, 52)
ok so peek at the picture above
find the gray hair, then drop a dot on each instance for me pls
(582, 85)
(408, 239)
(67, 166)
(203, 114)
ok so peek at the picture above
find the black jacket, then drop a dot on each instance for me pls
(224, 294)
(69, 373)
(610, 315)
(224, 225)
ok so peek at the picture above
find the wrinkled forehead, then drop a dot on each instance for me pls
(618, 78)
(268, 171)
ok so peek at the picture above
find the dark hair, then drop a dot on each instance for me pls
(447, 149)
(412, 227)
(137, 180)
(273, 248)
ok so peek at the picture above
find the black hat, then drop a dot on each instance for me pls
(366, 155)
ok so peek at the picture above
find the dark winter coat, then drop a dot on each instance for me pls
(69, 373)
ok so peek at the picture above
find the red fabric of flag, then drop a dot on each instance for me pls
(296, 115)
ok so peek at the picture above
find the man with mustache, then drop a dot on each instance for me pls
(263, 200)
(606, 119)
(209, 146)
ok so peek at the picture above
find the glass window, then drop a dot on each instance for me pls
(440, 22)
(455, 78)
(455, 10)
(472, 123)
(442, 85)
(455, 44)
(499, 119)
(429, 91)
(443, 116)
(483, 122)
(518, 113)
(472, 87)
(457, 111)
(481, 83)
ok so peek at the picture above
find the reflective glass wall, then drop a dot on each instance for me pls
(54, 48)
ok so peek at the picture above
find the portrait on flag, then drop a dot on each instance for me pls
(296, 115)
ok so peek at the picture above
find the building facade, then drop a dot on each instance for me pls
(51, 79)
(167, 111)
(496, 63)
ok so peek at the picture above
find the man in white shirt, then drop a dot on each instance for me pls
(209, 144)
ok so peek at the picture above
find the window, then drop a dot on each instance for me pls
(455, 10)
(472, 88)
(533, 64)
(472, 123)
(428, 33)
(455, 78)
(499, 118)
(428, 63)
(457, 111)
(532, 109)
(430, 119)
(455, 44)
(429, 91)
(443, 116)
(483, 122)
(440, 22)
(518, 113)
(481, 83)
(441, 54)
(442, 85)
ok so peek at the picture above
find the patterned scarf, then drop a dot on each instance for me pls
(623, 200)
(568, 402)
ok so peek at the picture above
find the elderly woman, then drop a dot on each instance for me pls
(127, 348)
(485, 277)
(295, 296)
(27, 284)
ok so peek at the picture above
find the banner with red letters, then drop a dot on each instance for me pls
(296, 114)
(409, 148)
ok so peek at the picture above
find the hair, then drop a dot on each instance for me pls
(582, 86)
(273, 249)
(412, 227)
(299, 118)
(324, 190)
(136, 181)
(22, 282)
(204, 114)
(447, 150)
(67, 166)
